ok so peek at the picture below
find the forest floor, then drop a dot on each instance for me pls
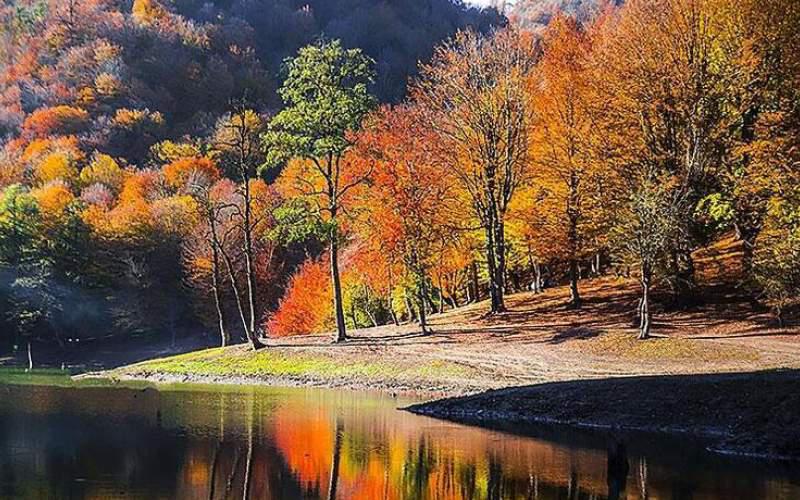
(539, 340)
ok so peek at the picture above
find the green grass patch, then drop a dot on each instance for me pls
(292, 364)
(52, 378)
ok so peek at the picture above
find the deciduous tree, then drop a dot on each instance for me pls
(326, 96)
(473, 92)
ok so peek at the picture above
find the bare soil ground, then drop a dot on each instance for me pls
(538, 340)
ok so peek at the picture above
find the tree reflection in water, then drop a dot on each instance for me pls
(275, 444)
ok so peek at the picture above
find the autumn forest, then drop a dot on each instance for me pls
(248, 171)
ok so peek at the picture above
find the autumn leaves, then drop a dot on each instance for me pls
(633, 140)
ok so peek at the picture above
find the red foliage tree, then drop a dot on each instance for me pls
(306, 307)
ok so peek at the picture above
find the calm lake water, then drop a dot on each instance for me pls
(203, 442)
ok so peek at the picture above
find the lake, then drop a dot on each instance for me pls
(199, 442)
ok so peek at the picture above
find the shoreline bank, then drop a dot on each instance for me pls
(752, 415)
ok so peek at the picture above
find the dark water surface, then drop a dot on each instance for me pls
(201, 442)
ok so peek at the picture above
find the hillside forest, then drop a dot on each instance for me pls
(250, 170)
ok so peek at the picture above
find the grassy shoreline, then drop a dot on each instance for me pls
(282, 367)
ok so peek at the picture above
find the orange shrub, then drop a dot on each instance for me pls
(307, 305)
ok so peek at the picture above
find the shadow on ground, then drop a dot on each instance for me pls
(750, 413)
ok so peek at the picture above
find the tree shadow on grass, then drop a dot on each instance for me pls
(574, 333)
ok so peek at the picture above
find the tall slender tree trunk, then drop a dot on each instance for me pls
(574, 295)
(537, 277)
(475, 286)
(30, 357)
(441, 295)
(644, 305)
(235, 287)
(572, 236)
(685, 285)
(341, 327)
(422, 295)
(410, 310)
(223, 332)
(216, 281)
(353, 316)
(573, 217)
(500, 255)
(495, 280)
(252, 335)
(392, 312)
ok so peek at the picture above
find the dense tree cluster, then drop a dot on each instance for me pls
(123, 152)
(632, 140)
(121, 75)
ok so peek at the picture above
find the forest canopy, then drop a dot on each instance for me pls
(121, 75)
(226, 189)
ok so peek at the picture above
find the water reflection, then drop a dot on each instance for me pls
(249, 443)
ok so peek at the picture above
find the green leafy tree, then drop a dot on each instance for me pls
(19, 224)
(326, 94)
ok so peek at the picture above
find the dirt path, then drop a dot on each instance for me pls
(538, 340)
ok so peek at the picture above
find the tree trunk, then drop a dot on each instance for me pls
(216, 280)
(473, 268)
(223, 333)
(252, 336)
(685, 286)
(30, 358)
(235, 287)
(748, 238)
(491, 262)
(644, 307)
(371, 316)
(500, 268)
(341, 329)
(353, 317)
(537, 277)
(441, 295)
(422, 290)
(411, 312)
(574, 295)
(392, 312)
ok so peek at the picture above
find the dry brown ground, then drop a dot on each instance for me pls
(541, 340)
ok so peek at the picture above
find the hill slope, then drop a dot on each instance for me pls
(177, 63)
(534, 15)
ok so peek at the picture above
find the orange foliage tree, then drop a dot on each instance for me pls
(57, 120)
(473, 94)
(306, 306)
(410, 200)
